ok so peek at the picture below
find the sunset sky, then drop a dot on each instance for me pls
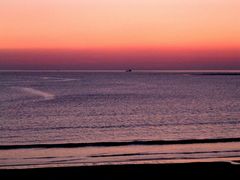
(115, 34)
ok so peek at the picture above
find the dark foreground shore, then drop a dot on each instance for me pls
(147, 171)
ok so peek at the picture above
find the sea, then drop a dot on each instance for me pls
(91, 118)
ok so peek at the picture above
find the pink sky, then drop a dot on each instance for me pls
(150, 33)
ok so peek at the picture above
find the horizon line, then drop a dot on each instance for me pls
(121, 70)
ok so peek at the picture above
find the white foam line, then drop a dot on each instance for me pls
(58, 79)
(45, 95)
(65, 80)
(234, 163)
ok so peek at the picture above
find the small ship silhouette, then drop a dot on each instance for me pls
(129, 70)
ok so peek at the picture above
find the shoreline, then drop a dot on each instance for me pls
(153, 171)
(120, 143)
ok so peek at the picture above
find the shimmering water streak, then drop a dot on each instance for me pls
(45, 95)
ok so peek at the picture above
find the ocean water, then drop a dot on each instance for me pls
(92, 118)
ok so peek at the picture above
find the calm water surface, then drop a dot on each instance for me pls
(94, 107)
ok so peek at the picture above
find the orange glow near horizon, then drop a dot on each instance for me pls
(109, 24)
(118, 34)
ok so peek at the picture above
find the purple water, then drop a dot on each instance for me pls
(90, 107)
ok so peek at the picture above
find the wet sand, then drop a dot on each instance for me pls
(145, 171)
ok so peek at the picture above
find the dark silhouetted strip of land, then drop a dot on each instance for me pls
(218, 74)
(144, 171)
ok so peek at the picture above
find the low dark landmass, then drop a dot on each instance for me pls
(127, 143)
(145, 171)
(218, 74)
